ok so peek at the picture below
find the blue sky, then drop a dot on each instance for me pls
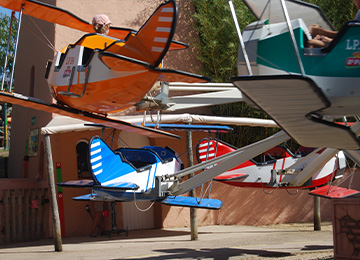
(5, 11)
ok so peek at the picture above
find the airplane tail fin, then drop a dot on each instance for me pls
(208, 149)
(153, 40)
(107, 166)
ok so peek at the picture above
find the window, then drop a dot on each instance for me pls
(82, 155)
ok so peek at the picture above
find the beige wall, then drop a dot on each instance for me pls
(32, 55)
(77, 220)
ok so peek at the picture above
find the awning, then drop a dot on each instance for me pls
(63, 124)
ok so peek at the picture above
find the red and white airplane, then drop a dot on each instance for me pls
(277, 167)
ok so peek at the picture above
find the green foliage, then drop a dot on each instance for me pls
(4, 35)
(338, 12)
(218, 49)
(218, 39)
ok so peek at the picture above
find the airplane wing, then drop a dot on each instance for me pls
(38, 104)
(292, 101)
(57, 15)
(170, 201)
(122, 63)
(90, 184)
(60, 16)
(192, 202)
(77, 184)
(91, 197)
(333, 192)
(231, 177)
(119, 186)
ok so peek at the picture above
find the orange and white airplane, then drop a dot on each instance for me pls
(101, 74)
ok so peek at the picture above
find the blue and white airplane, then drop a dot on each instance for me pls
(128, 174)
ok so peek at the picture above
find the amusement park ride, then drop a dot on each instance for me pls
(87, 79)
(101, 74)
(289, 171)
(310, 88)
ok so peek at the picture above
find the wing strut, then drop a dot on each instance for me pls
(225, 163)
(16, 46)
(232, 9)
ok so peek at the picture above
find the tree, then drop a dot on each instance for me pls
(338, 12)
(218, 41)
(218, 48)
(4, 36)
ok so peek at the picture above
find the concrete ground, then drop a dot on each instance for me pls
(215, 242)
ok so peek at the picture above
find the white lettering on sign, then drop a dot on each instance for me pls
(353, 44)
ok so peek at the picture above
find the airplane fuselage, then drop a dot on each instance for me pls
(79, 79)
(335, 69)
(278, 167)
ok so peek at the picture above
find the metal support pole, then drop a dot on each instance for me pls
(7, 51)
(5, 129)
(232, 9)
(317, 216)
(52, 195)
(16, 46)
(4, 107)
(292, 37)
(192, 193)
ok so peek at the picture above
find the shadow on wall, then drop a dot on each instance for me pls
(143, 16)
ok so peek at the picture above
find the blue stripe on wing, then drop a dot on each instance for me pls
(77, 184)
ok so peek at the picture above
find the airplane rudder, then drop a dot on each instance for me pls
(99, 152)
(208, 149)
(205, 149)
(157, 33)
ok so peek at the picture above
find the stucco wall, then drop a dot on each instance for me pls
(33, 54)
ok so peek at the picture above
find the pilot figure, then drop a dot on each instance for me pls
(101, 23)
